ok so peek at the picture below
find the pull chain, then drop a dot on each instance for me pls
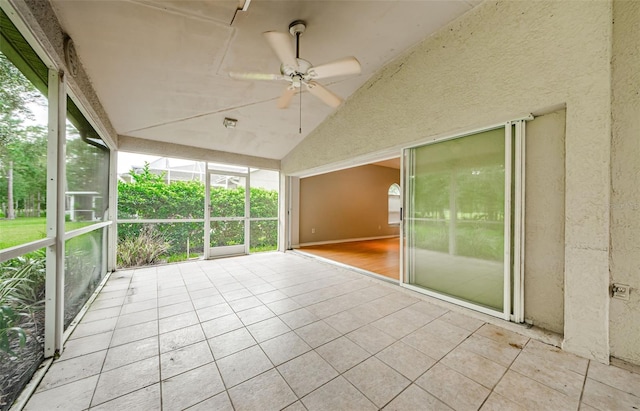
(300, 129)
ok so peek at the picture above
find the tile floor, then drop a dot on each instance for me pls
(282, 331)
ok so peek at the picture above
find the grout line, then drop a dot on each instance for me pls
(584, 383)
(439, 362)
(279, 274)
(491, 391)
(104, 360)
(157, 279)
(120, 396)
(291, 359)
(215, 362)
(275, 368)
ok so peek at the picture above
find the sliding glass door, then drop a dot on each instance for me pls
(459, 218)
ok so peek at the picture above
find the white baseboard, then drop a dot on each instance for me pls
(348, 240)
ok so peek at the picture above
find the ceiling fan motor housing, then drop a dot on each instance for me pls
(299, 74)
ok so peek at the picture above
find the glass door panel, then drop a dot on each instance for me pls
(227, 214)
(455, 218)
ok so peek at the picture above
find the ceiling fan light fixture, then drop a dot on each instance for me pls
(229, 122)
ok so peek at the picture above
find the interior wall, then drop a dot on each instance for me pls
(625, 193)
(346, 204)
(544, 222)
(502, 60)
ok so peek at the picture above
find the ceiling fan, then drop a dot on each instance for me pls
(298, 71)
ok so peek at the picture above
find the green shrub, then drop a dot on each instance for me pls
(21, 296)
(148, 196)
(264, 235)
(144, 249)
(22, 281)
(8, 331)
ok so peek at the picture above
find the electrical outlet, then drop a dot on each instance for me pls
(313, 231)
(620, 291)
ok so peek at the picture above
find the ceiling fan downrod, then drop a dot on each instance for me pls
(296, 29)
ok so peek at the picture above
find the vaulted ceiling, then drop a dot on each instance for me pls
(160, 68)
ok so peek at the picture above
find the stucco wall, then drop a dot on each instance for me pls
(501, 60)
(346, 204)
(625, 195)
(544, 222)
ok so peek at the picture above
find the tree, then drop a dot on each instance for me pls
(16, 94)
(27, 153)
(22, 146)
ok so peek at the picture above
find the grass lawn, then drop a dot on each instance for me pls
(23, 230)
(26, 229)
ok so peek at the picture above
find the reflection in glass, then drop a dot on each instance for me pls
(87, 162)
(455, 219)
(84, 269)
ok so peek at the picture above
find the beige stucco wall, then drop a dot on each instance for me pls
(501, 60)
(346, 204)
(625, 194)
(544, 222)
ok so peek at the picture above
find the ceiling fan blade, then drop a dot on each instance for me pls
(324, 94)
(347, 65)
(285, 98)
(255, 76)
(282, 46)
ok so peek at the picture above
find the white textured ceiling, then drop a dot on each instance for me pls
(160, 68)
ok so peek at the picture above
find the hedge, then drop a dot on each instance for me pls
(148, 196)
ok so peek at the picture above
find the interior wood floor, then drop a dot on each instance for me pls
(378, 256)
